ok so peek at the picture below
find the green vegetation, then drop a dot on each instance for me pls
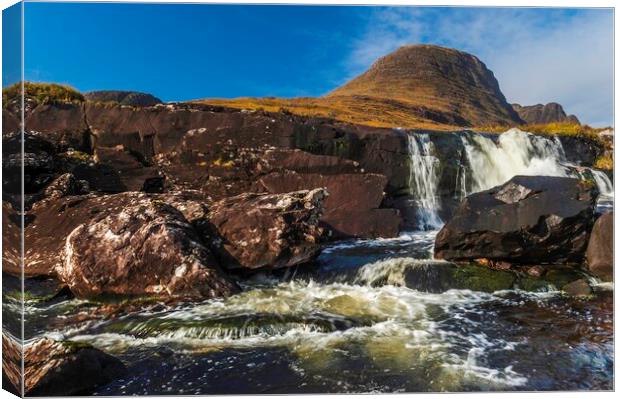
(41, 92)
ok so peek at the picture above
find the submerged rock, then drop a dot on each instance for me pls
(267, 230)
(600, 252)
(145, 247)
(53, 368)
(528, 220)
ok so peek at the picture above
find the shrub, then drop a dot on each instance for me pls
(42, 93)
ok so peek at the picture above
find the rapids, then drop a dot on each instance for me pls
(367, 316)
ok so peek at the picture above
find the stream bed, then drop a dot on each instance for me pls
(368, 316)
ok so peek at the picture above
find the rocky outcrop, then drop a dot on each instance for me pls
(547, 113)
(267, 230)
(600, 252)
(145, 247)
(53, 368)
(351, 210)
(66, 185)
(132, 98)
(528, 220)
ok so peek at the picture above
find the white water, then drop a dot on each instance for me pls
(491, 163)
(423, 181)
(515, 153)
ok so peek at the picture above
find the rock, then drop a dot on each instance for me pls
(528, 220)
(352, 208)
(480, 278)
(535, 271)
(53, 368)
(11, 364)
(64, 185)
(134, 172)
(267, 230)
(579, 288)
(11, 233)
(547, 113)
(145, 247)
(581, 150)
(600, 252)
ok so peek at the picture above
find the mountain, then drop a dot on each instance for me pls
(547, 113)
(446, 80)
(417, 86)
(133, 98)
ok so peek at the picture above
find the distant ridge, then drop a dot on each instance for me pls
(547, 113)
(133, 98)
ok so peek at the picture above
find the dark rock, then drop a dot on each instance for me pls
(11, 233)
(146, 247)
(581, 150)
(547, 113)
(53, 368)
(267, 230)
(528, 220)
(132, 98)
(65, 185)
(134, 173)
(600, 252)
(62, 124)
(351, 209)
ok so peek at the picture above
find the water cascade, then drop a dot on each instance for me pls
(515, 153)
(490, 161)
(423, 180)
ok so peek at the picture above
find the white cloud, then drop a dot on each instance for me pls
(537, 55)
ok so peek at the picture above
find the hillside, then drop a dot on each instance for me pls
(419, 86)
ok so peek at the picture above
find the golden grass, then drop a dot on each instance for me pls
(604, 162)
(375, 112)
(42, 92)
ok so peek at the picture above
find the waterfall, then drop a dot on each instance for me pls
(491, 161)
(423, 180)
(515, 153)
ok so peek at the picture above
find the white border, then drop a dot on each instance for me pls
(483, 3)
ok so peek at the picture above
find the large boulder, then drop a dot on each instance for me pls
(143, 247)
(600, 252)
(267, 230)
(53, 368)
(528, 220)
(353, 206)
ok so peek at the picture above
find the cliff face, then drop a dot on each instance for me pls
(547, 113)
(446, 80)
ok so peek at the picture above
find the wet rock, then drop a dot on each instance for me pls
(353, 206)
(267, 230)
(600, 252)
(528, 220)
(53, 368)
(581, 150)
(578, 288)
(479, 278)
(145, 247)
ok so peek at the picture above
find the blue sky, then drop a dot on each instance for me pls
(181, 52)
